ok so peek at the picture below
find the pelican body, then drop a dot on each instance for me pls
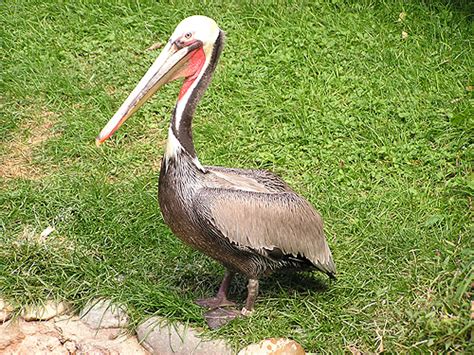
(250, 221)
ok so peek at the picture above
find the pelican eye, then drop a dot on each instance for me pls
(188, 35)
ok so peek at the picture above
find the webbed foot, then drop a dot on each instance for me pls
(218, 317)
(214, 302)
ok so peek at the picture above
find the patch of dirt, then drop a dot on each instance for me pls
(17, 163)
(31, 236)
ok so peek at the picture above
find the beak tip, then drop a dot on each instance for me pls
(98, 141)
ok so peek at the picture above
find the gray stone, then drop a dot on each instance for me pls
(101, 313)
(177, 339)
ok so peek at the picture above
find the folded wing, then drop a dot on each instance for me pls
(267, 221)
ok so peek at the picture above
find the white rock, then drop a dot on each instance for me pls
(160, 338)
(64, 335)
(9, 336)
(43, 311)
(28, 339)
(92, 341)
(6, 311)
(103, 314)
(274, 346)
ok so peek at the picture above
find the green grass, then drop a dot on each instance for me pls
(375, 130)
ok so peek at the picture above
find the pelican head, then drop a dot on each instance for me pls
(185, 55)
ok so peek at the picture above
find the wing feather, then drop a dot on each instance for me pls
(265, 221)
(246, 179)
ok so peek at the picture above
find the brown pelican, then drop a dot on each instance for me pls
(250, 221)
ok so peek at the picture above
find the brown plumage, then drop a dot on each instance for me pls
(251, 221)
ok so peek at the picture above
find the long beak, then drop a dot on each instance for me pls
(163, 70)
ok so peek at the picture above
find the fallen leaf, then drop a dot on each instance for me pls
(404, 35)
(154, 46)
(48, 230)
(401, 16)
(354, 350)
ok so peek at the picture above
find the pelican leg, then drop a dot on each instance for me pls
(220, 300)
(217, 317)
(252, 293)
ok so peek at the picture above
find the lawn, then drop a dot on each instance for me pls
(364, 107)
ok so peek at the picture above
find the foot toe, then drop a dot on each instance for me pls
(218, 317)
(214, 302)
